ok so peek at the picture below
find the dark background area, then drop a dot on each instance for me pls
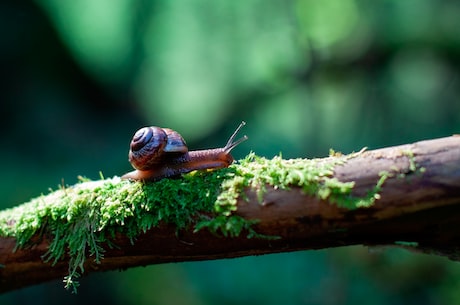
(77, 78)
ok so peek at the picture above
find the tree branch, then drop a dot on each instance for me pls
(406, 196)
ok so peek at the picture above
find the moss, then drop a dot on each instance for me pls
(80, 220)
(413, 166)
(314, 176)
(406, 243)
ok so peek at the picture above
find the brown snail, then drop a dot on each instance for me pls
(158, 153)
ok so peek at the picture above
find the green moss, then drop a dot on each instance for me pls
(412, 164)
(82, 219)
(406, 243)
(314, 176)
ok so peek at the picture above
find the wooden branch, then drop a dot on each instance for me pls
(418, 205)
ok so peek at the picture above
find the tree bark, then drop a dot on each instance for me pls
(419, 203)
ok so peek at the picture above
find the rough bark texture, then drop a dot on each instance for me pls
(423, 207)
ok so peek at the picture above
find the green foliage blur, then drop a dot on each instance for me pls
(77, 78)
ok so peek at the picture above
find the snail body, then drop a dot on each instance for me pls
(158, 153)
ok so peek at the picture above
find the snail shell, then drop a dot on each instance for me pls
(149, 145)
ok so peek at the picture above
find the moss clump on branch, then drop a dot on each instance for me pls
(81, 219)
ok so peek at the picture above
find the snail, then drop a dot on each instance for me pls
(158, 153)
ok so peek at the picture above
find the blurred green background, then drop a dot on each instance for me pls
(77, 78)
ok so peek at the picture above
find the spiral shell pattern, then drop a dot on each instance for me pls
(146, 147)
(151, 145)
